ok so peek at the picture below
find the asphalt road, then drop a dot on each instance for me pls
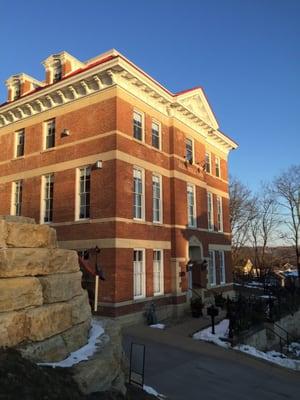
(185, 369)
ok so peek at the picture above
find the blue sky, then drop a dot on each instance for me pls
(246, 55)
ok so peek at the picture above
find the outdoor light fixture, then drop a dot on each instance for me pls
(98, 164)
(65, 133)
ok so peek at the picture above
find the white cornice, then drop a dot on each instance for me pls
(120, 72)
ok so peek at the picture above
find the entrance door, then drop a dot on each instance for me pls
(194, 275)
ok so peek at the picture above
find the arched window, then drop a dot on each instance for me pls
(16, 90)
(57, 71)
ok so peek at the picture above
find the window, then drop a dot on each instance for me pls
(20, 141)
(138, 273)
(158, 273)
(57, 71)
(218, 167)
(219, 214)
(222, 267)
(191, 205)
(47, 198)
(156, 198)
(16, 208)
(137, 125)
(207, 163)
(138, 194)
(17, 90)
(156, 135)
(211, 268)
(84, 191)
(210, 213)
(189, 150)
(49, 134)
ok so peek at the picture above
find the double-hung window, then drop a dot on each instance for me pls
(84, 192)
(157, 198)
(211, 268)
(138, 125)
(50, 134)
(210, 211)
(138, 273)
(16, 206)
(222, 267)
(155, 135)
(138, 193)
(207, 162)
(158, 272)
(20, 143)
(219, 214)
(47, 198)
(218, 167)
(191, 206)
(189, 151)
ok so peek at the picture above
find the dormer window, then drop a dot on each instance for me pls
(57, 71)
(17, 90)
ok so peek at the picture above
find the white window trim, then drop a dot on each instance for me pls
(143, 124)
(160, 200)
(195, 205)
(214, 275)
(193, 148)
(42, 202)
(210, 166)
(219, 163)
(13, 195)
(159, 132)
(220, 201)
(45, 124)
(16, 143)
(162, 286)
(211, 221)
(77, 197)
(222, 266)
(135, 167)
(143, 295)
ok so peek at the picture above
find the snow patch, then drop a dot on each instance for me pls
(275, 357)
(153, 392)
(85, 352)
(221, 332)
(158, 326)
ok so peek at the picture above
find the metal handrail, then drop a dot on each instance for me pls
(288, 335)
(280, 338)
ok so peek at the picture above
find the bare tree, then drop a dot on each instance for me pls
(242, 211)
(287, 189)
(263, 226)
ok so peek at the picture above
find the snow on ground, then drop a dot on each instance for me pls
(152, 391)
(221, 330)
(85, 352)
(158, 326)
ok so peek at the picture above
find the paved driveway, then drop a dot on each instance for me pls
(184, 369)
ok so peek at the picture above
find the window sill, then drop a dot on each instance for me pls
(137, 299)
(18, 158)
(139, 219)
(78, 220)
(157, 223)
(158, 294)
(141, 141)
(48, 150)
(192, 227)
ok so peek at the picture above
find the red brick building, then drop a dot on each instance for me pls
(110, 158)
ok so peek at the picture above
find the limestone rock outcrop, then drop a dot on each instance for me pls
(43, 309)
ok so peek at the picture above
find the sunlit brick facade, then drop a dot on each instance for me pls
(110, 158)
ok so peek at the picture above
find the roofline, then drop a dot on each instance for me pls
(108, 56)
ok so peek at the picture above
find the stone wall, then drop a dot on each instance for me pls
(264, 338)
(44, 311)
